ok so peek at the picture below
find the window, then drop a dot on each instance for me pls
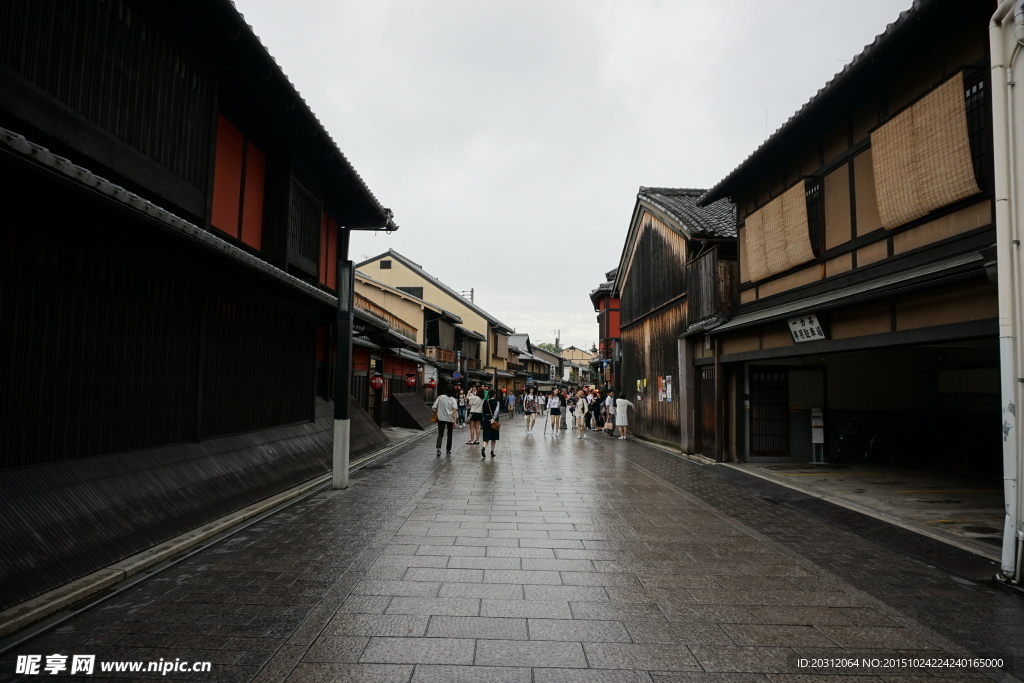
(815, 215)
(385, 265)
(977, 125)
(304, 229)
(414, 291)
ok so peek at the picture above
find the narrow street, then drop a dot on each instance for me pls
(559, 560)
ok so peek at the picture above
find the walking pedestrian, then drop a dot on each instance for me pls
(462, 408)
(511, 404)
(492, 407)
(581, 414)
(621, 416)
(530, 409)
(554, 410)
(609, 409)
(446, 407)
(476, 409)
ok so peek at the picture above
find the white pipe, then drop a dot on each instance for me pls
(1015, 210)
(1003, 156)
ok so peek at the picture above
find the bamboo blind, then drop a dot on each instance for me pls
(776, 235)
(922, 157)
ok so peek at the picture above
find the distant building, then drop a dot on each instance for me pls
(605, 365)
(400, 272)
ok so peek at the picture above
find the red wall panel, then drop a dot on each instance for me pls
(227, 177)
(252, 202)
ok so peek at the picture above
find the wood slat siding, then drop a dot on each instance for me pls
(649, 350)
(304, 229)
(105, 59)
(105, 354)
(656, 272)
(441, 334)
(710, 284)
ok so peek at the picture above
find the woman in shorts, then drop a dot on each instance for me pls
(554, 410)
(530, 409)
(476, 416)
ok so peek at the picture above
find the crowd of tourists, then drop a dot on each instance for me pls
(481, 409)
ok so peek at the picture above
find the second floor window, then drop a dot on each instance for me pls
(977, 125)
(816, 215)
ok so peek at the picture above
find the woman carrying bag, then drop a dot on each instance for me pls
(492, 407)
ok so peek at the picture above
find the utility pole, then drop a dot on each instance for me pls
(343, 363)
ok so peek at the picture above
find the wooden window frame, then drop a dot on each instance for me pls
(814, 191)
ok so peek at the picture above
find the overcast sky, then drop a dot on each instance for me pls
(510, 137)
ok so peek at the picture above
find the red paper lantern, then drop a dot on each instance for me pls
(376, 382)
(432, 383)
(410, 380)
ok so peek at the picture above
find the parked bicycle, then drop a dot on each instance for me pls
(859, 442)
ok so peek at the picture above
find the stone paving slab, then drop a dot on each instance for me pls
(633, 565)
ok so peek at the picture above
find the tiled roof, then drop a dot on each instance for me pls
(520, 341)
(846, 74)
(718, 219)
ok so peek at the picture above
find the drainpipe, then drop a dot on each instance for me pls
(1004, 49)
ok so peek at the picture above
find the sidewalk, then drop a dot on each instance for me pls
(559, 560)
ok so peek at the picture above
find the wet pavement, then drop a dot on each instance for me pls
(948, 503)
(559, 560)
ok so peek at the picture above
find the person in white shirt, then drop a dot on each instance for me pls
(622, 416)
(581, 414)
(476, 416)
(554, 410)
(447, 409)
(609, 413)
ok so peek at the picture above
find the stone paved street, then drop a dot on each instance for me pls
(559, 560)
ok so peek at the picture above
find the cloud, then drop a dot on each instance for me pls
(510, 137)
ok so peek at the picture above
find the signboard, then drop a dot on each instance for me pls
(456, 375)
(806, 328)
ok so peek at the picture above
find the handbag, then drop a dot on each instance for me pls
(495, 425)
(433, 418)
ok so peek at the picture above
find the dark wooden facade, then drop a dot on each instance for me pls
(895, 272)
(677, 259)
(169, 248)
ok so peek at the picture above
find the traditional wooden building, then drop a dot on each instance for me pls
(605, 365)
(866, 285)
(488, 365)
(438, 334)
(672, 275)
(556, 366)
(534, 370)
(170, 238)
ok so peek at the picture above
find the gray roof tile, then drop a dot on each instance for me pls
(718, 219)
